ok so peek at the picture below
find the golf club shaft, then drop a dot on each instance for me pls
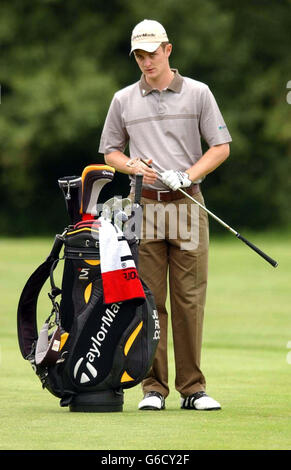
(221, 222)
(238, 235)
(138, 188)
(136, 210)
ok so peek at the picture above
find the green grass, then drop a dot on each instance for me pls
(246, 333)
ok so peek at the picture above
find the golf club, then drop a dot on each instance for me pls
(71, 187)
(132, 227)
(94, 178)
(224, 224)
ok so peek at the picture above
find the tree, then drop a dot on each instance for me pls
(62, 61)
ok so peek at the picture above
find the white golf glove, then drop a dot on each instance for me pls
(176, 179)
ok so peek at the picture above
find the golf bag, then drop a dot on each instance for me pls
(101, 337)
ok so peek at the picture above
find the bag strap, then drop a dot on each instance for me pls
(27, 306)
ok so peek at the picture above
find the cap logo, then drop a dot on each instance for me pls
(139, 36)
(153, 37)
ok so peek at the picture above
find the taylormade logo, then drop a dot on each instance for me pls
(89, 372)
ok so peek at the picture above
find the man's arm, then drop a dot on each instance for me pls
(119, 160)
(209, 161)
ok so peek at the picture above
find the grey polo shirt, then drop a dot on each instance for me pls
(166, 125)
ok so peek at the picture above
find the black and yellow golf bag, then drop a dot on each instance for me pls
(101, 335)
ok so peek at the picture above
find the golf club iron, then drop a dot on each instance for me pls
(224, 224)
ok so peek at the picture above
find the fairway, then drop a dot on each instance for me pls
(245, 357)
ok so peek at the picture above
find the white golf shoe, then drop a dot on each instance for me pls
(152, 401)
(200, 401)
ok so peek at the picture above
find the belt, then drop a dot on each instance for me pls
(169, 195)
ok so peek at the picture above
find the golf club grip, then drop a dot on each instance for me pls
(138, 188)
(257, 250)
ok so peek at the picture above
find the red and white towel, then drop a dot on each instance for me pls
(118, 270)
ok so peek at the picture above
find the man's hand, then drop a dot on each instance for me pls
(138, 166)
(176, 179)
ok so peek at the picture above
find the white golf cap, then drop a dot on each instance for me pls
(148, 36)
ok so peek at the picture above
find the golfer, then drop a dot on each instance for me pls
(162, 119)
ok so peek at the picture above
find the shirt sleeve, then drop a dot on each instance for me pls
(212, 126)
(114, 135)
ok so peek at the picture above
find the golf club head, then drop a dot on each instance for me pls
(114, 204)
(94, 178)
(71, 187)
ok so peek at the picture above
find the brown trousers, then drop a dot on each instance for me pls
(170, 257)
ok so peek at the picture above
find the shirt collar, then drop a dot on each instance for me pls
(175, 85)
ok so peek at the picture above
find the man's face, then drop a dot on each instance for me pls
(153, 64)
